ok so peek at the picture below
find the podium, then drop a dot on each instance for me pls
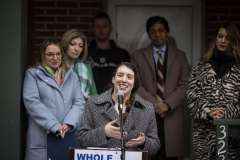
(105, 154)
(225, 128)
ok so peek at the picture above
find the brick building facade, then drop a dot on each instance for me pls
(53, 17)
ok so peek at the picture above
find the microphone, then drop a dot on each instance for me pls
(120, 95)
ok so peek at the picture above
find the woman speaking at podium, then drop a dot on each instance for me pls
(100, 125)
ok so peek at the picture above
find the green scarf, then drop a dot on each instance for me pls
(58, 77)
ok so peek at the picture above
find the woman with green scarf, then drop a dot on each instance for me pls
(54, 102)
(74, 44)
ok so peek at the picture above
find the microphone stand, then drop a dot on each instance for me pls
(120, 108)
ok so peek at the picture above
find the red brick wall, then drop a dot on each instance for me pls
(53, 17)
(218, 11)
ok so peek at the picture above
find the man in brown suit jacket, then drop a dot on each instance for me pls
(169, 112)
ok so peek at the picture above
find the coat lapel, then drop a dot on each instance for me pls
(46, 77)
(171, 56)
(149, 57)
(106, 99)
(110, 112)
(132, 119)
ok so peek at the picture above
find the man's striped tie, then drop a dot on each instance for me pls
(160, 80)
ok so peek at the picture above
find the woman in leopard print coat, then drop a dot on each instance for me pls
(214, 92)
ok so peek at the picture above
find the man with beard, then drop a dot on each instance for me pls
(103, 53)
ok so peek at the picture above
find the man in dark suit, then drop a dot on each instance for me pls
(175, 74)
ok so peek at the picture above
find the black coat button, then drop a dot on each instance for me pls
(136, 104)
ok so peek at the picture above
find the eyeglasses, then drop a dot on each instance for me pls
(154, 32)
(51, 55)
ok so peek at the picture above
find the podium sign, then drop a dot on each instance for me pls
(225, 128)
(90, 154)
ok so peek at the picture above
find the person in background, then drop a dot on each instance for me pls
(74, 44)
(103, 54)
(164, 80)
(214, 92)
(54, 102)
(100, 125)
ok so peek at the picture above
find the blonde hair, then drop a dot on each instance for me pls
(71, 34)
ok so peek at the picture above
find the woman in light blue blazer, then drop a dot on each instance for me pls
(54, 102)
